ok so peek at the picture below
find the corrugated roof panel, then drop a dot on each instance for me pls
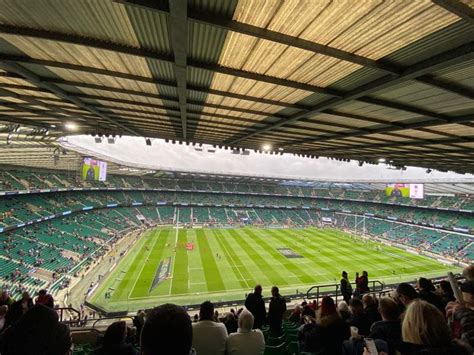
(425, 96)
(462, 73)
(80, 55)
(104, 20)
(205, 42)
(278, 60)
(375, 111)
(151, 28)
(434, 43)
(370, 28)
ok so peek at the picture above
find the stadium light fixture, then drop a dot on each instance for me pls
(266, 147)
(382, 160)
(71, 126)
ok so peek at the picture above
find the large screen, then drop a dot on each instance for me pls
(405, 190)
(417, 191)
(94, 170)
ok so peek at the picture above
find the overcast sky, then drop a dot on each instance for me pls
(161, 155)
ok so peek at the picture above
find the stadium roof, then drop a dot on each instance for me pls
(346, 79)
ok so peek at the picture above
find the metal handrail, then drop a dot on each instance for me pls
(109, 318)
(377, 287)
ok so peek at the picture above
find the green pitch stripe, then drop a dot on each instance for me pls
(237, 266)
(147, 275)
(132, 273)
(274, 276)
(305, 250)
(211, 272)
(284, 261)
(180, 269)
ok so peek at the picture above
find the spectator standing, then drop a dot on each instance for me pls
(246, 341)
(45, 299)
(275, 311)
(446, 293)
(256, 305)
(346, 288)
(426, 293)
(209, 337)
(19, 308)
(405, 294)
(167, 330)
(389, 328)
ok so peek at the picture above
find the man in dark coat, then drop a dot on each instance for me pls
(256, 305)
(275, 311)
(346, 288)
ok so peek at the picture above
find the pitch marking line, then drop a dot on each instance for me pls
(233, 262)
(174, 254)
(143, 266)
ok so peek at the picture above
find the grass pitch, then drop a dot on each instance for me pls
(224, 264)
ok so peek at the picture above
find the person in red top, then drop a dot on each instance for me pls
(45, 299)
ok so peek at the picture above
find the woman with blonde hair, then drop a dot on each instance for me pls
(424, 331)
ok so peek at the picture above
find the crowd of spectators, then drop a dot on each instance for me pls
(420, 320)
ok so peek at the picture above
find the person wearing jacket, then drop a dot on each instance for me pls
(346, 288)
(256, 305)
(275, 311)
(389, 328)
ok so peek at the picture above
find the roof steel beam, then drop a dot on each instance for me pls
(458, 8)
(198, 16)
(437, 62)
(36, 80)
(127, 76)
(144, 53)
(442, 141)
(179, 42)
(379, 102)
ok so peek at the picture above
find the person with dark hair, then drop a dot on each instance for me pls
(256, 305)
(405, 294)
(209, 337)
(327, 334)
(45, 299)
(230, 323)
(426, 293)
(446, 293)
(276, 310)
(19, 308)
(389, 328)
(38, 332)
(6, 299)
(359, 319)
(346, 288)
(113, 342)
(370, 308)
(167, 330)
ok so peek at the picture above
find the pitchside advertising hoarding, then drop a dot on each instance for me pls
(94, 170)
(415, 191)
